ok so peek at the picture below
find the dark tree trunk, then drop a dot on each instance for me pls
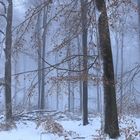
(8, 46)
(139, 22)
(111, 116)
(85, 61)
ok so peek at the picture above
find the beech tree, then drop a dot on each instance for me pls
(139, 19)
(8, 48)
(85, 60)
(111, 116)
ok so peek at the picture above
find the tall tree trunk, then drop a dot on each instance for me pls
(69, 82)
(111, 116)
(43, 58)
(122, 67)
(85, 60)
(57, 84)
(117, 56)
(8, 47)
(139, 22)
(98, 71)
(38, 42)
(80, 74)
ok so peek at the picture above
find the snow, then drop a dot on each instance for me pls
(27, 130)
(87, 131)
(23, 131)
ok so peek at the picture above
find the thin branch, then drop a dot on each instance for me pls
(4, 6)
(55, 66)
(2, 15)
(2, 32)
(37, 10)
(66, 69)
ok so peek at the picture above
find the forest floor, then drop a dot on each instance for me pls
(63, 127)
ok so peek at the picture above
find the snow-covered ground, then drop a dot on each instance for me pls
(71, 130)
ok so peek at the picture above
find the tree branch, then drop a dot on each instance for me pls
(2, 15)
(4, 6)
(2, 32)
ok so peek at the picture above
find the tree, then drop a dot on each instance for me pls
(111, 116)
(8, 48)
(139, 18)
(40, 37)
(38, 43)
(42, 100)
(85, 60)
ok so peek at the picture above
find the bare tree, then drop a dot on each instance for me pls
(8, 48)
(38, 43)
(41, 48)
(85, 60)
(111, 117)
(139, 20)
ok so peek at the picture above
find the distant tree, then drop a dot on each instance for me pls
(111, 117)
(43, 54)
(40, 40)
(38, 44)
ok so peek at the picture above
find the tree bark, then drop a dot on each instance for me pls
(43, 55)
(85, 61)
(111, 116)
(38, 39)
(8, 48)
(139, 22)
(69, 82)
(80, 73)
